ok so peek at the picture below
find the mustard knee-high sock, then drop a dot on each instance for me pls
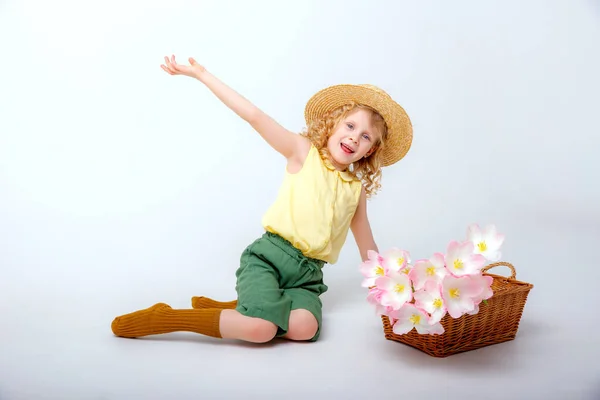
(161, 318)
(207, 302)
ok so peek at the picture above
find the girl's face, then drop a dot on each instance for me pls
(353, 138)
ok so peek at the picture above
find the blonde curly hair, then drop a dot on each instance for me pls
(367, 169)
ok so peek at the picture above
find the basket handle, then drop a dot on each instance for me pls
(513, 275)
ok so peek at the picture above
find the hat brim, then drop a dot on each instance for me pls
(400, 132)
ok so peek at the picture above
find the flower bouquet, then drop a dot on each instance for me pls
(441, 296)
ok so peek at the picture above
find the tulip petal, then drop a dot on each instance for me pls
(436, 329)
(402, 327)
(397, 289)
(372, 268)
(396, 259)
(438, 260)
(458, 294)
(437, 315)
(368, 282)
(474, 311)
(474, 233)
(372, 255)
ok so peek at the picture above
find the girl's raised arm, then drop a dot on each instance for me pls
(282, 140)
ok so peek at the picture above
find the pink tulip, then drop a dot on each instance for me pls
(459, 294)
(428, 270)
(409, 316)
(396, 288)
(430, 299)
(461, 260)
(373, 268)
(486, 242)
(397, 260)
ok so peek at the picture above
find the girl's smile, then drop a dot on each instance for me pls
(353, 139)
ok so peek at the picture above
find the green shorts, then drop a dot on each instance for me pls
(275, 278)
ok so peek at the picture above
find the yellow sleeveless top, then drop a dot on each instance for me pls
(314, 208)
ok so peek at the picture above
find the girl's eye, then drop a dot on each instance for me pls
(366, 137)
(349, 125)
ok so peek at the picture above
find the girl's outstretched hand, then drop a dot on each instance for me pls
(194, 70)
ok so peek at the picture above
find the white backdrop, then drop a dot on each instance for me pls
(122, 186)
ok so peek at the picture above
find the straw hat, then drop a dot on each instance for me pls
(399, 126)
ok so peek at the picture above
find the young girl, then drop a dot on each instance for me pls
(352, 132)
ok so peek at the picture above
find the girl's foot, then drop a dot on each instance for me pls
(161, 318)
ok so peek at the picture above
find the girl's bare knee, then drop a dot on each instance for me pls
(234, 325)
(302, 326)
(261, 331)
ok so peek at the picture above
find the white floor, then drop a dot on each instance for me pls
(55, 343)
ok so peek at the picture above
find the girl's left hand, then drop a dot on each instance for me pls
(194, 70)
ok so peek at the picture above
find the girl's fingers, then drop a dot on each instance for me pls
(167, 70)
(170, 63)
(173, 68)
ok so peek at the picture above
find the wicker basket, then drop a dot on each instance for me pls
(496, 322)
